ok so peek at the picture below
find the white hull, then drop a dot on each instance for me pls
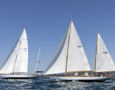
(99, 79)
(13, 76)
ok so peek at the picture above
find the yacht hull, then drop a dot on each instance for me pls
(17, 76)
(84, 79)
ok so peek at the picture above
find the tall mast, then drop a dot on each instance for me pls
(68, 46)
(37, 61)
(96, 51)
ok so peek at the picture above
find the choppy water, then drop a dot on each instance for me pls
(46, 84)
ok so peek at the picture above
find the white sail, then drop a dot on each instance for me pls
(17, 61)
(104, 62)
(77, 60)
(59, 60)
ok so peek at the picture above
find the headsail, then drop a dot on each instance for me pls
(17, 62)
(70, 56)
(104, 62)
(58, 62)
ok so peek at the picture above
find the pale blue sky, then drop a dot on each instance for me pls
(46, 22)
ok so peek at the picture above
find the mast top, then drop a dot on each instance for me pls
(71, 19)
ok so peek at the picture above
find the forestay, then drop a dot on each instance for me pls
(104, 62)
(17, 61)
(75, 61)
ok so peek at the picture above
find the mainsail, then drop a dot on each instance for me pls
(103, 60)
(70, 56)
(17, 61)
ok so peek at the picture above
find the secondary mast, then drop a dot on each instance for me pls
(96, 52)
(37, 61)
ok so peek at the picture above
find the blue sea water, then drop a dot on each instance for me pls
(46, 84)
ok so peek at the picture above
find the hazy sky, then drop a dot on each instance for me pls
(46, 22)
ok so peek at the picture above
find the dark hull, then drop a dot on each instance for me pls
(19, 78)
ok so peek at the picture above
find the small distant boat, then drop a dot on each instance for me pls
(103, 59)
(70, 60)
(16, 65)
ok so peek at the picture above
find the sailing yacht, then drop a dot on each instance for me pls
(70, 60)
(16, 65)
(103, 59)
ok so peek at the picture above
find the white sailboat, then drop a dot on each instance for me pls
(103, 59)
(70, 58)
(16, 65)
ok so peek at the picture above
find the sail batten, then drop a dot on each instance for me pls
(17, 61)
(104, 62)
(70, 56)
